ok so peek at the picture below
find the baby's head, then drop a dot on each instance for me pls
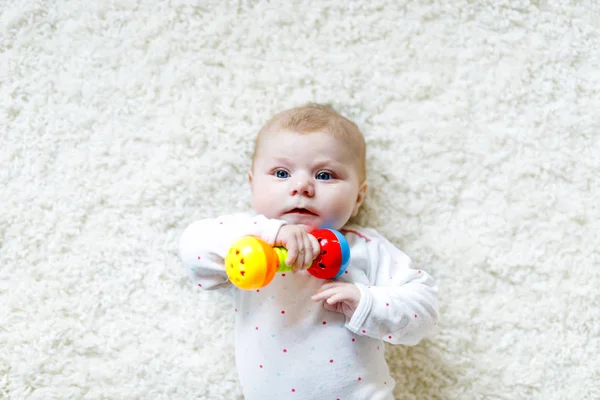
(309, 168)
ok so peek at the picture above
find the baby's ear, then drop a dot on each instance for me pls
(362, 193)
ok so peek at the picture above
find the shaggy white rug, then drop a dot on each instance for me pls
(123, 121)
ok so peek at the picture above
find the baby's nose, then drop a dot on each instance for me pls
(303, 186)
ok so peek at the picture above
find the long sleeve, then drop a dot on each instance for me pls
(400, 304)
(204, 244)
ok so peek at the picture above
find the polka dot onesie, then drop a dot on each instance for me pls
(287, 345)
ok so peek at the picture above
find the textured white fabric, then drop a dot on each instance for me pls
(288, 344)
(121, 122)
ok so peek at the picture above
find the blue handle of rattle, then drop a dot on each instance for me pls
(345, 247)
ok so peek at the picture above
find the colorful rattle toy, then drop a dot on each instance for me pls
(252, 263)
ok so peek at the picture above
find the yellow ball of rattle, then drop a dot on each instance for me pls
(251, 263)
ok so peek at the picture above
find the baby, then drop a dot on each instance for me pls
(302, 337)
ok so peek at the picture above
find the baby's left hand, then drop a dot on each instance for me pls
(340, 297)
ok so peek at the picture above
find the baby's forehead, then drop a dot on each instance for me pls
(314, 151)
(338, 140)
(323, 144)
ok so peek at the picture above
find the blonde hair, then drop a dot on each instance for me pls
(318, 117)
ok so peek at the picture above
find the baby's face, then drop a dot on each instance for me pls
(311, 179)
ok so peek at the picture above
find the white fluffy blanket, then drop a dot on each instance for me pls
(123, 121)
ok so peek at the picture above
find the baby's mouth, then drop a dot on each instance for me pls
(300, 211)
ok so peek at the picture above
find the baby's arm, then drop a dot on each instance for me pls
(205, 243)
(401, 304)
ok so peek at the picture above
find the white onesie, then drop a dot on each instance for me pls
(287, 345)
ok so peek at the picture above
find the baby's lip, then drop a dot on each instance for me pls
(301, 210)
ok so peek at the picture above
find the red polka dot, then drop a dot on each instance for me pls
(257, 290)
(324, 322)
(415, 315)
(198, 257)
(221, 223)
(282, 274)
(200, 284)
(283, 311)
(387, 304)
(285, 350)
(359, 378)
(389, 337)
(254, 222)
(364, 331)
(385, 383)
(377, 346)
(256, 328)
(345, 272)
(293, 390)
(236, 310)
(330, 361)
(420, 271)
(354, 340)
(260, 366)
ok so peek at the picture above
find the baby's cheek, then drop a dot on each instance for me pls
(264, 205)
(340, 213)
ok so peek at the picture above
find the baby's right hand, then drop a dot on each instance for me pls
(302, 247)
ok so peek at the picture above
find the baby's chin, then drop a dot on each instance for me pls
(312, 221)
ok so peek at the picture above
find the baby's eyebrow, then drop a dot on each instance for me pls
(282, 160)
(328, 163)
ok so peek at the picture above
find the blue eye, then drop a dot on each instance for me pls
(280, 173)
(325, 176)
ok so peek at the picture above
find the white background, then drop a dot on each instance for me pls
(121, 122)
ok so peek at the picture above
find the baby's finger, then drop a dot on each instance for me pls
(292, 249)
(329, 307)
(316, 247)
(325, 294)
(308, 251)
(336, 298)
(301, 252)
(299, 260)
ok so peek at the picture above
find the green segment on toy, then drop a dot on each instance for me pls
(251, 263)
(282, 255)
